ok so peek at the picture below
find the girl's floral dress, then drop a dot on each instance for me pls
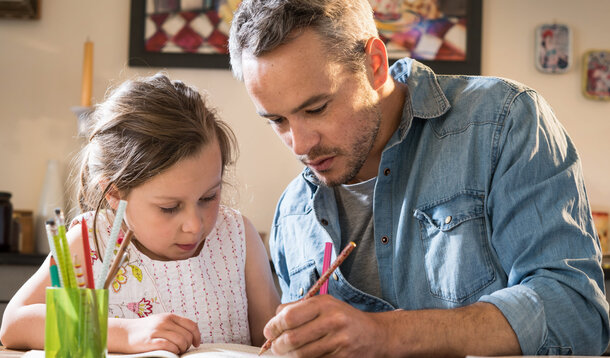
(209, 289)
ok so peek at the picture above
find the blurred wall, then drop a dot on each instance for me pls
(41, 64)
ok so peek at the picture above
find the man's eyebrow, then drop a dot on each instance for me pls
(306, 103)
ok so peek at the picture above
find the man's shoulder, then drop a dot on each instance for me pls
(297, 194)
(422, 81)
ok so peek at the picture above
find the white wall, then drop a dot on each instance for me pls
(40, 63)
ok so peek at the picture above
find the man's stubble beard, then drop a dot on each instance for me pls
(358, 153)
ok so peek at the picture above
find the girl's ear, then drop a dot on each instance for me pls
(377, 60)
(112, 195)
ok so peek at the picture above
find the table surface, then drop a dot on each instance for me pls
(7, 353)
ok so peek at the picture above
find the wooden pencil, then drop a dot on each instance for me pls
(117, 259)
(314, 289)
(87, 254)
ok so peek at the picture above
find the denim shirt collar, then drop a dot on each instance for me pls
(424, 99)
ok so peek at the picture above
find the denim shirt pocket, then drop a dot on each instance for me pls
(302, 277)
(457, 256)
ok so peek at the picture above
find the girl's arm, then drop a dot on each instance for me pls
(24, 319)
(263, 298)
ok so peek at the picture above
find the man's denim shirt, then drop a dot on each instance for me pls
(479, 198)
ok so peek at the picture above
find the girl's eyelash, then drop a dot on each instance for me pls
(169, 210)
(209, 198)
(176, 208)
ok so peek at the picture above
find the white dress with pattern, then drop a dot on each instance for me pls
(209, 289)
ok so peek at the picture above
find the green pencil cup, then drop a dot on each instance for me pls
(76, 323)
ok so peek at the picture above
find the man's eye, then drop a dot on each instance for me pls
(317, 110)
(276, 121)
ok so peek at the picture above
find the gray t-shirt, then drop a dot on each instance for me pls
(355, 206)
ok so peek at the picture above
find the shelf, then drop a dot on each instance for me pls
(14, 258)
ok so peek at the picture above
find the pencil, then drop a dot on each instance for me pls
(314, 289)
(65, 249)
(328, 249)
(117, 259)
(54, 273)
(87, 254)
(50, 227)
(114, 234)
(78, 270)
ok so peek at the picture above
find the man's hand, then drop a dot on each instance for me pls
(323, 325)
(165, 331)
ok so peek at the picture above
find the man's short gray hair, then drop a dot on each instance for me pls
(344, 26)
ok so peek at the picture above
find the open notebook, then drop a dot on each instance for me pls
(205, 350)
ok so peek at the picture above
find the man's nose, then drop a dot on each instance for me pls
(302, 138)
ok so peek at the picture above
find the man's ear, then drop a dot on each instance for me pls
(112, 195)
(377, 61)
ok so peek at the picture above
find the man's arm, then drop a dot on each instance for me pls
(324, 325)
(543, 237)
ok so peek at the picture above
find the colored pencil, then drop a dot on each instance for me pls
(118, 258)
(314, 289)
(54, 273)
(65, 249)
(110, 245)
(328, 250)
(51, 236)
(78, 270)
(87, 254)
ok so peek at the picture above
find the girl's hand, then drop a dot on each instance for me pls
(164, 331)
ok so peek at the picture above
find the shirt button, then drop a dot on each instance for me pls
(386, 172)
(448, 219)
(301, 290)
(324, 222)
(384, 239)
(335, 277)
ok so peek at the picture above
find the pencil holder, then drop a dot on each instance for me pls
(76, 322)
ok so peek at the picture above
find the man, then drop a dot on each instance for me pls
(464, 194)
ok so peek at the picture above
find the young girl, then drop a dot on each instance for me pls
(196, 270)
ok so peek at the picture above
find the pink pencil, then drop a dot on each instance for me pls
(328, 249)
(87, 253)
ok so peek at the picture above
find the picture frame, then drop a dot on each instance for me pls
(467, 14)
(20, 9)
(553, 48)
(602, 225)
(444, 35)
(145, 47)
(596, 75)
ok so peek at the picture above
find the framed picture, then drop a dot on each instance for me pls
(443, 34)
(553, 48)
(20, 9)
(180, 33)
(602, 225)
(596, 75)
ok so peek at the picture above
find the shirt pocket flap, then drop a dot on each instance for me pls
(302, 278)
(449, 213)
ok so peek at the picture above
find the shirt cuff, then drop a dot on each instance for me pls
(524, 311)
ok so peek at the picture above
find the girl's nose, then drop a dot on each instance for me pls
(193, 222)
